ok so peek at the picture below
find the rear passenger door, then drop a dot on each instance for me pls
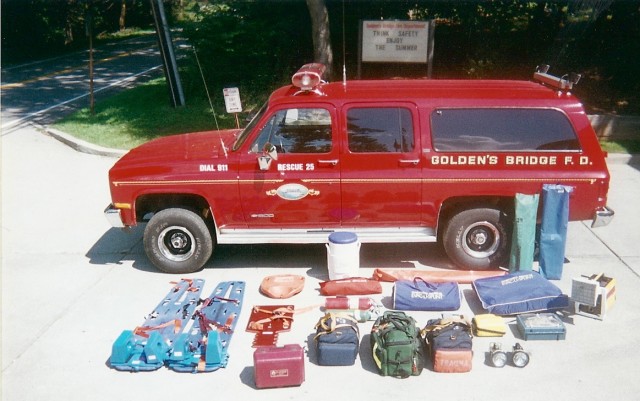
(380, 165)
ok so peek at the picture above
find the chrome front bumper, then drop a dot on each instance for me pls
(603, 217)
(113, 216)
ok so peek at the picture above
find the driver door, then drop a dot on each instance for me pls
(301, 189)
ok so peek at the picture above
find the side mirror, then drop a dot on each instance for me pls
(270, 150)
(269, 153)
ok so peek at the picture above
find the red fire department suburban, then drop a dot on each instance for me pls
(390, 160)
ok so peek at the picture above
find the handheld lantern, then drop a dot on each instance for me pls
(497, 355)
(520, 357)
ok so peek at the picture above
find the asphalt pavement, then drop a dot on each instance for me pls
(42, 91)
(71, 284)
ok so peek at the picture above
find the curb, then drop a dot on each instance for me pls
(82, 146)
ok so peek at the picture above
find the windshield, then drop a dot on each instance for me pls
(243, 135)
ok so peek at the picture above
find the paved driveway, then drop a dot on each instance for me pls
(44, 90)
(71, 284)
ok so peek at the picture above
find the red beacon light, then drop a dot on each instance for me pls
(308, 77)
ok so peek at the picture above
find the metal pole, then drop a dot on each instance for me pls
(165, 43)
(91, 97)
(431, 29)
(89, 33)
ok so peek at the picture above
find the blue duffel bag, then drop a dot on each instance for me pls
(520, 292)
(420, 295)
(337, 340)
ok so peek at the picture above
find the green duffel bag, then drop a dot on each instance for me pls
(395, 345)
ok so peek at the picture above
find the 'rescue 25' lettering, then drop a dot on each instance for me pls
(296, 167)
(391, 161)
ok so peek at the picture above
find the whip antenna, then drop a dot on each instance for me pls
(344, 52)
(224, 148)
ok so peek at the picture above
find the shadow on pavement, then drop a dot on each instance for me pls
(116, 247)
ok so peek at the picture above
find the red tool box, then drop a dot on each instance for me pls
(278, 366)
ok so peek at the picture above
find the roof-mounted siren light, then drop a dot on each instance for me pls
(564, 83)
(308, 78)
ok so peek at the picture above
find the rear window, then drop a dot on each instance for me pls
(380, 129)
(501, 130)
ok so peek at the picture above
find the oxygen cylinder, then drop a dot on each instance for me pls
(349, 303)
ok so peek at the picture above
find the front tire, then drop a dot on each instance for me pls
(477, 239)
(178, 241)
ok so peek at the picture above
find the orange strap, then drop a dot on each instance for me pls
(259, 325)
(188, 280)
(142, 330)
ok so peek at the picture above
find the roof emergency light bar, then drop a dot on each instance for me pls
(564, 83)
(308, 77)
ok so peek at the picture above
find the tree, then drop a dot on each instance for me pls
(123, 16)
(321, 34)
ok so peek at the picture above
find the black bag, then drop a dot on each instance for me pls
(449, 342)
(337, 340)
(396, 346)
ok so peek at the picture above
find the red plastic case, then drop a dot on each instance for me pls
(278, 366)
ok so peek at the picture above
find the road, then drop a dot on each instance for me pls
(71, 284)
(44, 90)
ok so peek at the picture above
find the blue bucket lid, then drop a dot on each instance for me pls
(343, 237)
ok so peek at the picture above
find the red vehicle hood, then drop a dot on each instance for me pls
(175, 148)
(166, 155)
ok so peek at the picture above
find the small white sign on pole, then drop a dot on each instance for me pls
(232, 100)
(395, 41)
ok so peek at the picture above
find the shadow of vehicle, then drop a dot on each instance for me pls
(117, 247)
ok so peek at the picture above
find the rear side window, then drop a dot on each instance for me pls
(502, 130)
(380, 129)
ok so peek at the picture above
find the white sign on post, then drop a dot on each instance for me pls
(395, 41)
(232, 100)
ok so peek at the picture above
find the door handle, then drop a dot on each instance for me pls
(412, 161)
(332, 162)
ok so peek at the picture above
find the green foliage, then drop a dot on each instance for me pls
(629, 146)
(138, 115)
(506, 39)
(34, 29)
(257, 44)
(250, 42)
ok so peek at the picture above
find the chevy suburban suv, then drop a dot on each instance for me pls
(390, 160)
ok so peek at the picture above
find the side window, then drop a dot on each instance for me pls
(502, 130)
(297, 131)
(388, 129)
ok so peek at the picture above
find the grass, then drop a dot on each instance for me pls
(138, 115)
(630, 146)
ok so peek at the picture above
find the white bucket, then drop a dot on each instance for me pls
(343, 255)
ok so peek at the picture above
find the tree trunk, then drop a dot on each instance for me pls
(322, 51)
(123, 15)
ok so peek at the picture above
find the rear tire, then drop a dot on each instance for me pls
(477, 239)
(178, 241)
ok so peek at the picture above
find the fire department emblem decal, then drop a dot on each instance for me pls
(292, 192)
